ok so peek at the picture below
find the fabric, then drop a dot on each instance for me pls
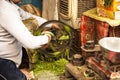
(36, 3)
(49, 10)
(31, 9)
(92, 29)
(14, 34)
(92, 13)
(9, 71)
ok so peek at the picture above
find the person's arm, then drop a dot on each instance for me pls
(11, 21)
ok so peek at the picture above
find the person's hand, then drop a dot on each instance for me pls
(48, 33)
(44, 46)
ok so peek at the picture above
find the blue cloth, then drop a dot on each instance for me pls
(36, 3)
(9, 71)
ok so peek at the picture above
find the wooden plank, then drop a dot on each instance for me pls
(75, 72)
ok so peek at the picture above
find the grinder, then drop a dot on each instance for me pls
(61, 42)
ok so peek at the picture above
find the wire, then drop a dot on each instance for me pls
(3, 77)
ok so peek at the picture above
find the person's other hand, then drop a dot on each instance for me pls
(55, 26)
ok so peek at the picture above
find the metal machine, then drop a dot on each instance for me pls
(106, 62)
(59, 47)
(61, 42)
(102, 61)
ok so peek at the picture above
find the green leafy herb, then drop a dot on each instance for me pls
(56, 67)
(107, 3)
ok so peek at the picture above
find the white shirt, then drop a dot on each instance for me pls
(14, 34)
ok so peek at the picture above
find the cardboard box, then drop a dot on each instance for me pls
(108, 8)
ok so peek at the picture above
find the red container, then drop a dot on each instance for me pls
(91, 29)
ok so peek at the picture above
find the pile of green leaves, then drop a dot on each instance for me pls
(56, 67)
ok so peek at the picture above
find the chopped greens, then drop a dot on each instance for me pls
(56, 67)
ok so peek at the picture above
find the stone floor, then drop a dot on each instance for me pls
(44, 76)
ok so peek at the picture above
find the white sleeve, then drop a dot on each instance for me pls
(11, 21)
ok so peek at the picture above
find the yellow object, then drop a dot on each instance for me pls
(92, 13)
(32, 24)
(108, 9)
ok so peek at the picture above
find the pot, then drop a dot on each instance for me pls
(89, 44)
(110, 48)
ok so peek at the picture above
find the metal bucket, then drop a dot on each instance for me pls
(110, 47)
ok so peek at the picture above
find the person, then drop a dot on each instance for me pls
(13, 36)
